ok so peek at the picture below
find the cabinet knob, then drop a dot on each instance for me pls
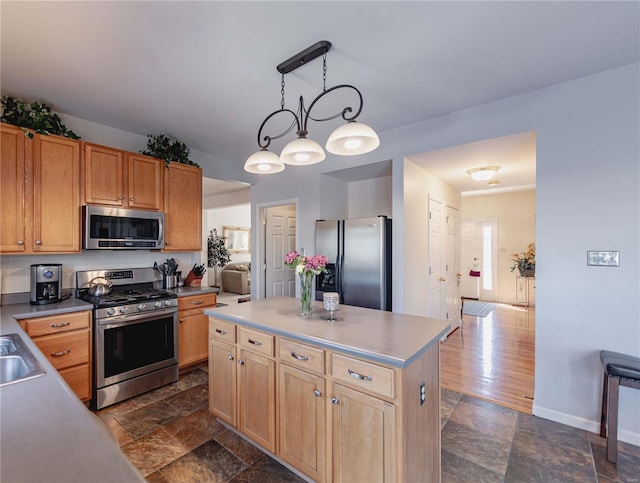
(132, 199)
(317, 393)
(230, 357)
(20, 242)
(240, 362)
(38, 242)
(335, 400)
(121, 197)
(181, 320)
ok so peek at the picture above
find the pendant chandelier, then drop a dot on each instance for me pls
(349, 139)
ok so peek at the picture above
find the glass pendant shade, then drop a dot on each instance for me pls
(302, 152)
(263, 162)
(352, 138)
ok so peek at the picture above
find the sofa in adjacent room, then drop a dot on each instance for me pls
(236, 278)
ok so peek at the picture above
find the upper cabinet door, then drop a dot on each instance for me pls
(103, 176)
(56, 194)
(145, 182)
(12, 177)
(183, 208)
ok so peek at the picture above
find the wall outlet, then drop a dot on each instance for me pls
(423, 393)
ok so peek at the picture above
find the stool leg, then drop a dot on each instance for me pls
(612, 438)
(603, 413)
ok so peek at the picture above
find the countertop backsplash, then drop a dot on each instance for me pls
(15, 269)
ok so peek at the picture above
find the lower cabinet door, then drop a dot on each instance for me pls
(79, 379)
(302, 421)
(192, 337)
(257, 387)
(364, 445)
(222, 381)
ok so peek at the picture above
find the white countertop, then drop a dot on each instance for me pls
(47, 433)
(386, 337)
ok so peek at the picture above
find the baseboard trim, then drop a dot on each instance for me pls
(581, 423)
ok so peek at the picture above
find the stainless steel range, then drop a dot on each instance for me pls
(135, 326)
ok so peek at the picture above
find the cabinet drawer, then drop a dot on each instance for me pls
(66, 350)
(54, 324)
(197, 301)
(302, 356)
(365, 375)
(79, 379)
(256, 341)
(222, 330)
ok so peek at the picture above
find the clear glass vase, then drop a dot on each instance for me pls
(306, 281)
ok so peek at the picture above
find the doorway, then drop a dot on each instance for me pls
(278, 238)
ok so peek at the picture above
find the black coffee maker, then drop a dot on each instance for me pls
(46, 283)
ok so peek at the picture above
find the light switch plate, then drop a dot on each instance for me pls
(603, 258)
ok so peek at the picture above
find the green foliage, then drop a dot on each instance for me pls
(163, 148)
(36, 117)
(218, 255)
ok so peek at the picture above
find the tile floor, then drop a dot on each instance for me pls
(169, 435)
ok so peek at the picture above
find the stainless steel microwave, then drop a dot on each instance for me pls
(105, 228)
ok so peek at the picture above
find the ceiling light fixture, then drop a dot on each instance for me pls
(347, 140)
(484, 173)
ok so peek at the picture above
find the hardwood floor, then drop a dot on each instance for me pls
(493, 357)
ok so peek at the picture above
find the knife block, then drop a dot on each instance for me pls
(192, 280)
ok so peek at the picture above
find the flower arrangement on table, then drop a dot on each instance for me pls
(525, 261)
(306, 268)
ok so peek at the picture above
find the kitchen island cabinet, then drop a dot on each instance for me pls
(183, 208)
(121, 179)
(356, 400)
(40, 193)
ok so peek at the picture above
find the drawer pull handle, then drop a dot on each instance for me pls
(299, 357)
(61, 324)
(61, 353)
(254, 342)
(360, 376)
(197, 302)
(220, 331)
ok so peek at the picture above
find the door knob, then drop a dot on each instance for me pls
(442, 279)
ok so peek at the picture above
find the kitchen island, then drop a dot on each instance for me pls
(357, 399)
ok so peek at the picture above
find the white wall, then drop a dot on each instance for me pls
(587, 199)
(370, 197)
(516, 215)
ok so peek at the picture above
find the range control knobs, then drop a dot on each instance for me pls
(167, 302)
(141, 307)
(123, 310)
(111, 311)
(157, 304)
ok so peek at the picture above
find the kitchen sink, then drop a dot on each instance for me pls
(17, 363)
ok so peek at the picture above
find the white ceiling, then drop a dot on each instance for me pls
(204, 72)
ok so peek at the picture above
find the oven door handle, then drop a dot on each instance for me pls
(127, 319)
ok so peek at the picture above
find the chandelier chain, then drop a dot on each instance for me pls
(282, 93)
(324, 72)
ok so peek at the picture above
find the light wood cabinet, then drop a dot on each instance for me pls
(242, 389)
(40, 193)
(65, 340)
(339, 417)
(193, 329)
(117, 178)
(302, 433)
(363, 432)
(183, 208)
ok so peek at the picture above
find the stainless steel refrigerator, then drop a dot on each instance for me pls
(359, 267)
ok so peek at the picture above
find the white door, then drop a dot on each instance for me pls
(280, 239)
(469, 259)
(435, 302)
(452, 269)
